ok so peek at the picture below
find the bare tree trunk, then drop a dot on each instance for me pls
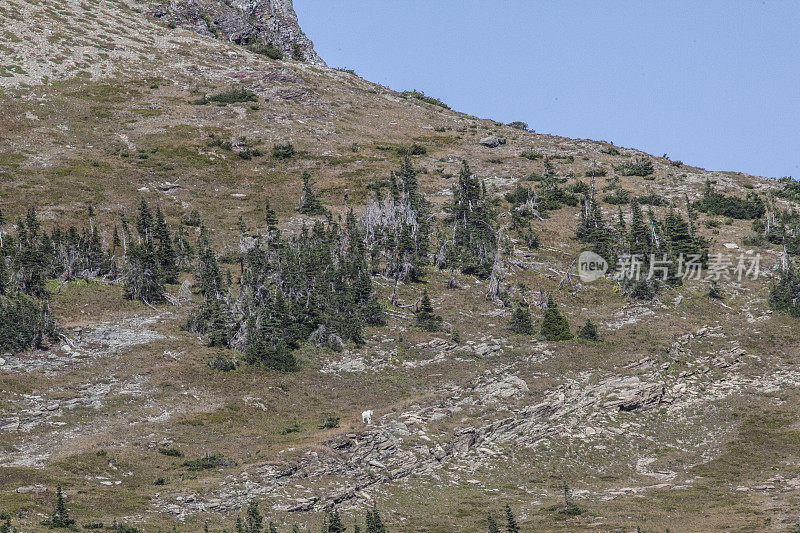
(567, 275)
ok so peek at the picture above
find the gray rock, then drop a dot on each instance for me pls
(242, 22)
(36, 489)
(492, 141)
(167, 186)
(465, 439)
(646, 396)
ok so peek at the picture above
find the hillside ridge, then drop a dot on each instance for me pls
(495, 374)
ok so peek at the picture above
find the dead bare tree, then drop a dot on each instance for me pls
(567, 275)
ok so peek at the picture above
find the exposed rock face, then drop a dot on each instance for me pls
(241, 22)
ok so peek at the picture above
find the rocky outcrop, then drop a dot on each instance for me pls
(644, 396)
(242, 22)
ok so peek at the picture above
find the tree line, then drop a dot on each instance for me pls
(316, 285)
(312, 286)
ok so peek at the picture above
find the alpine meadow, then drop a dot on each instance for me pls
(243, 291)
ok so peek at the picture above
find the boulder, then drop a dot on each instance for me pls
(492, 141)
(506, 388)
(36, 489)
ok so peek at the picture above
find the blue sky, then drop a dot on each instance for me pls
(714, 84)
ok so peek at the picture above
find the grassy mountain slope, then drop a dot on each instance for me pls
(101, 105)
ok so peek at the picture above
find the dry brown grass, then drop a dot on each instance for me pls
(77, 141)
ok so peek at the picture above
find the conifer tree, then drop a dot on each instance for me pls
(427, 319)
(678, 240)
(270, 217)
(144, 277)
(639, 241)
(144, 221)
(374, 522)
(417, 242)
(369, 308)
(549, 175)
(5, 281)
(94, 256)
(116, 242)
(589, 331)
(144, 280)
(254, 521)
(690, 215)
(214, 316)
(5, 526)
(268, 346)
(209, 273)
(511, 521)
(593, 230)
(24, 322)
(32, 257)
(219, 332)
(474, 240)
(60, 517)
(32, 223)
(554, 324)
(715, 291)
(639, 245)
(309, 203)
(492, 526)
(335, 524)
(784, 293)
(164, 248)
(521, 323)
(126, 232)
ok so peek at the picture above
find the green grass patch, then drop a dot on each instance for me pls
(13, 159)
(208, 462)
(232, 96)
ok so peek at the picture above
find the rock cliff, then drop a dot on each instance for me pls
(243, 22)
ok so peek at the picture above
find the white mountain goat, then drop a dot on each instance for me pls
(366, 417)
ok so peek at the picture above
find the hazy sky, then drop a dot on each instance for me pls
(714, 84)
